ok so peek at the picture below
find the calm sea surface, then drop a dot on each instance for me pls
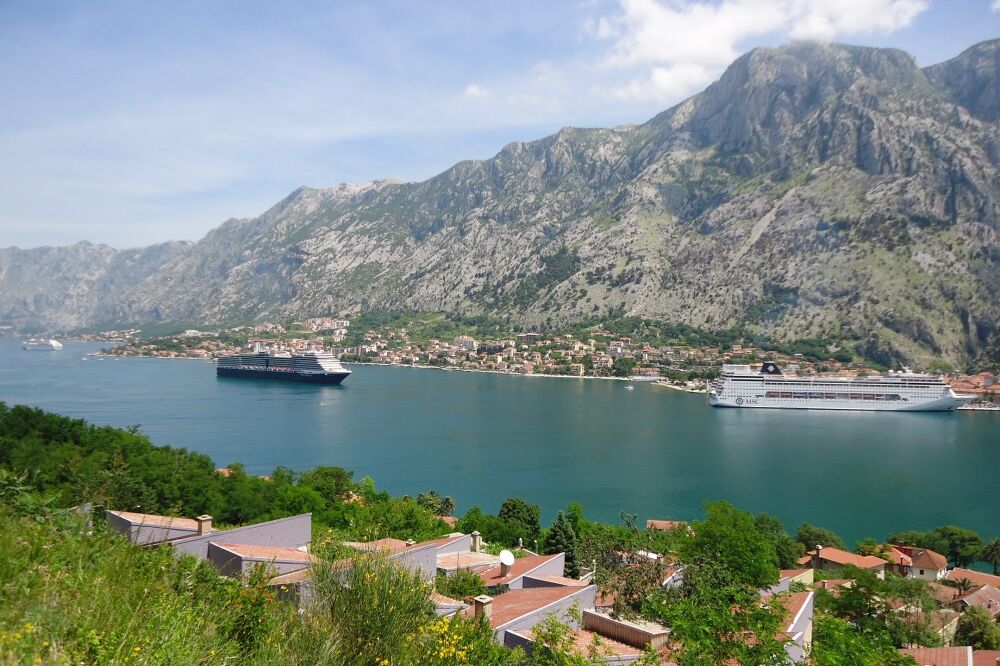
(483, 437)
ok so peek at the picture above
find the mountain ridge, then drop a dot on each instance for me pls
(813, 190)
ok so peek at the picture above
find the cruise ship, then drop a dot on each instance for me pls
(314, 367)
(40, 344)
(767, 387)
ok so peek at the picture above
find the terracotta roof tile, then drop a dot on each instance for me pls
(267, 552)
(844, 558)
(584, 639)
(975, 577)
(985, 657)
(517, 603)
(480, 561)
(152, 520)
(559, 580)
(392, 546)
(942, 656)
(521, 566)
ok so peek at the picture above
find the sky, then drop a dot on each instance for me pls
(131, 123)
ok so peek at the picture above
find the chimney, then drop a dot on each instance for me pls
(477, 541)
(483, 606)
(410, 542)
(505, 570)
(817, 559)
(204, 524)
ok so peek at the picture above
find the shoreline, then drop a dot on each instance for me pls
(658, 384)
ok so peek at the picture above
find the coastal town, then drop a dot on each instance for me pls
(599, 353)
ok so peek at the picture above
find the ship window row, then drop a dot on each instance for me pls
(795, 395)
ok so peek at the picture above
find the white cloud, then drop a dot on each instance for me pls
(673, 48)
(995, 6)
(475, 91)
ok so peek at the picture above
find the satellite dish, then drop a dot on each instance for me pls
(506, 557)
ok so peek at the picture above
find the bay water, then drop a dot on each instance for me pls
(484, 437)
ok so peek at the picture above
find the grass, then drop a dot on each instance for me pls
(67, 596)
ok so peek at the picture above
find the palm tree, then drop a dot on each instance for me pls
(964, 584)
(991, 553)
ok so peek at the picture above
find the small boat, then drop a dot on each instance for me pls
(41, 344)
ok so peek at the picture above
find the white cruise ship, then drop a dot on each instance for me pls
(39, 344)
(767, 387)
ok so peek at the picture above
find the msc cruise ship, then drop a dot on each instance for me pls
(743, 386)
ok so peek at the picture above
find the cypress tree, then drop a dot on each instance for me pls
(562, 539)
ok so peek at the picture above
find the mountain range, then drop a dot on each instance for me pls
(814, 190)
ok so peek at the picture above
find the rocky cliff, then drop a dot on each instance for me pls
(813, 190)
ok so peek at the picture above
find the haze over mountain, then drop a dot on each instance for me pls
(813, 190)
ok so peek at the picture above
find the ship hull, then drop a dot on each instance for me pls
(943, 404)
(334, 378)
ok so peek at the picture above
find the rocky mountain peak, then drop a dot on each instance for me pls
(972, 79)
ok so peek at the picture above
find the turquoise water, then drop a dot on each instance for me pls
(482, 438)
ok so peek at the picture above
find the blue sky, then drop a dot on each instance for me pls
(132, 123)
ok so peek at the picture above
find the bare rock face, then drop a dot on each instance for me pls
(813, 190)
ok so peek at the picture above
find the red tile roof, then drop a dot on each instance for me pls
(392, 546)
(584, 640)
(152, 520)
(985, 657)
(480, 561)
(942, 656)
(511, 605)
(928, 559)
(560, 580)
(922, 558)
(267, 552)
(975, 577)
(986, 597)
(521, 566)
(843, 558)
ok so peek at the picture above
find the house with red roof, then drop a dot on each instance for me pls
(975, 577)
(146, 529)
(521, 609)
(986, 597)
(832, 559)
(234, 559)
(512, 577)
(921, 563)
(941, 656)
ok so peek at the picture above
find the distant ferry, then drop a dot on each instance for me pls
(40, 344)
(314, 367)
(743, 386)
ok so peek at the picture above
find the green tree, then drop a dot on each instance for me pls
(930, 540)
(963, 545)
(810, 535)
(562, 539)
(976, 628)
(522, 516)
(716, 621)
(991, 554)
(787, 549)
(729, 537)
(330, 482)
(837, 643)
(623, 367)
(436, 504)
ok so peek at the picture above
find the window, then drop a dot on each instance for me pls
(921, 572)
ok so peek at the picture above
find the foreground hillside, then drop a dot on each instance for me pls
(813, 191)
(74, 591)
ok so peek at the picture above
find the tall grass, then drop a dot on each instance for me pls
(67, 596)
